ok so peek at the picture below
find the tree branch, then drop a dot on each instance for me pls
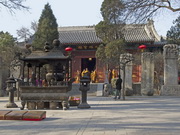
(13, 5)
(139, 10)
(168, 7)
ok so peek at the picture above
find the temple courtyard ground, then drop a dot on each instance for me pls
(137, 115)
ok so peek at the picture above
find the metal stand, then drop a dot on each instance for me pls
(84, 87)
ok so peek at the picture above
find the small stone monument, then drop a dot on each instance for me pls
(1, 90)
(170, 87)
(170, 64)
(147, 78)
(128, 78)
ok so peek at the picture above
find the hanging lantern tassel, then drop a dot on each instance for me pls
(142, 47)
(68, 50)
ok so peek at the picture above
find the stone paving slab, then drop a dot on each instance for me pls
(136, 115)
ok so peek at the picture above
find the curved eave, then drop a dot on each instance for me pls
(80, 43)
(41, 55)
(139, 41)
(28, 59)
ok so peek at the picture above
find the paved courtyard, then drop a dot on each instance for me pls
(135, 116)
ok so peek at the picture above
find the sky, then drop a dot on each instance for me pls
(68, 13)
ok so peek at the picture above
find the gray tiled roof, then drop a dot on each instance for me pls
(86, 34)
(136, 33)
(78, 35)
(42, 55)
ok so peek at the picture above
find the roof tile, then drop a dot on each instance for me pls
(87, 34)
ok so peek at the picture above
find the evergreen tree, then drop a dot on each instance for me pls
(113, 51)
(100, 53)
(112, 11)
(8, 49)
(110, 28)
(47, 28)
(6, 40)
(173, 35)
(110, 31)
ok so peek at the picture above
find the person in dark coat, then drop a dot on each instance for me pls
(118, 87)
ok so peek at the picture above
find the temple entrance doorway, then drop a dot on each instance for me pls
(89, 63)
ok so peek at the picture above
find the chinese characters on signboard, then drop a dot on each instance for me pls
(86, 47)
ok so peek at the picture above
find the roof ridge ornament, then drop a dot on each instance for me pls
(56, 43)
(150, 21)
(47, 47)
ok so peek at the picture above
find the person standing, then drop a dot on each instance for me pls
(118, 87)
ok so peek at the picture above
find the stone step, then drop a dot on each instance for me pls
(22, 115)
(3, 114)
(15, 115)
(34, 115)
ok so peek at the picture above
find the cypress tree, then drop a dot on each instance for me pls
(47, 28)
(110, 31)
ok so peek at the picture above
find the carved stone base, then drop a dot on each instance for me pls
(170, 90)
(40, 105)
(147, 92)
(65, 105)
(84, 106)
(31, 105)
(128, 92)
(11, 105)
(53, 105)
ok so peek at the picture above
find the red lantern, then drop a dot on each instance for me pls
(142, 47)
(68, 49)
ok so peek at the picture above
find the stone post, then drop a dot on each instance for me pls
(1, 89)
(147, 77)
(170, 64)
(170, 87)
(128, 78)
(11, 88)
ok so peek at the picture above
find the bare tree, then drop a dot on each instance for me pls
(13, 5)
(34, 26)
(140, 10)
(24, 33)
